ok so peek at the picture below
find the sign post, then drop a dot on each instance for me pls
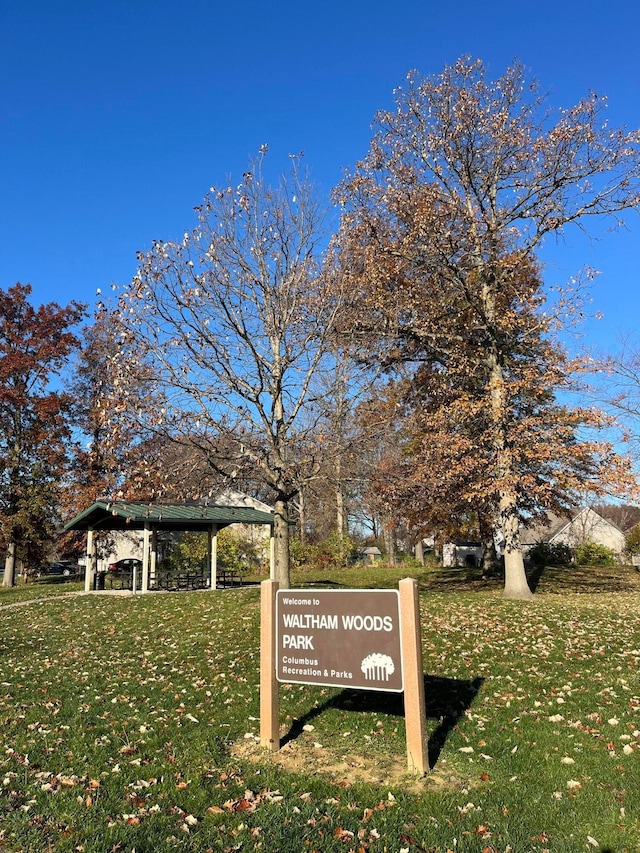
(362, 639)
(269, 695)
(415, 713)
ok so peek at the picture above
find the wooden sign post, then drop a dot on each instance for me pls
(415, 719)
(363, 639)
(269, 693)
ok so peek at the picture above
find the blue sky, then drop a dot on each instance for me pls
(116, 117)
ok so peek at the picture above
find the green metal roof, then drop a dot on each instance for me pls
(134, 515)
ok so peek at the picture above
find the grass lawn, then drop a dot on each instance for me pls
(130, 724)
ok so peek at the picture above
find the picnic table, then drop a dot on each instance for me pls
(228, 577)
(183, 580)
(186, 579)
(198, 579)
(119, 580)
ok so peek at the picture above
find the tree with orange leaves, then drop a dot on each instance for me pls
(35, 346)
(440, 228)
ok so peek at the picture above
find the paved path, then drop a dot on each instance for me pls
(74, 594)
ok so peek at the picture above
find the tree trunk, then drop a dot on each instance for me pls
(491, 564)
(419, 552)
(281, 542)
(339, 510)
(390, 545)
(515, 579)
(339, 492)
(302, 518)
(10, 565)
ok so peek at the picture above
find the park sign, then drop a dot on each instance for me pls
(339, 638)
(364, 639)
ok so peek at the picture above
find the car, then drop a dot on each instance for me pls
(62, 567)
(126, 565)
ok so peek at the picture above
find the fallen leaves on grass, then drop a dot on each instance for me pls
(145, 735)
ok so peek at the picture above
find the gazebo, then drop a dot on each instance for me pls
(152, 517)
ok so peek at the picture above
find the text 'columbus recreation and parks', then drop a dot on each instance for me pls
(339, 638)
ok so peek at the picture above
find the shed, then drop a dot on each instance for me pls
(371, 554)
(458, 553)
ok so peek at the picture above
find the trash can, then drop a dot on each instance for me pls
(98, 580)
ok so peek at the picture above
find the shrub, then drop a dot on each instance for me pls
(302, 554)
(550, 554)
(592, 554)
(334, 552)
(339, 550)
(235, 552)
(633, 540)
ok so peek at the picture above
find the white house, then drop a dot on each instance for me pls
(577, 528)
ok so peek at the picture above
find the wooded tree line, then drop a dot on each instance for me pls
(405, 373)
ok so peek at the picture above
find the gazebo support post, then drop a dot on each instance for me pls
(153, 568)
(144, 587)
(272, 555)
(212, 543)
(90, 568)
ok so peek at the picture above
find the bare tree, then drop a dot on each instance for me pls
(343, 446)
(622, 389)
(236, 319)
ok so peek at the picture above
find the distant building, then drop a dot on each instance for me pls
(578, 527)
(459, 553)
(371, 554)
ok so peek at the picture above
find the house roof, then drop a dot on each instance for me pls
(135, 515)
(235, 499)
(544, 529)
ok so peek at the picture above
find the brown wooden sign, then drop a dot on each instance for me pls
(339, 638)
(368, 639)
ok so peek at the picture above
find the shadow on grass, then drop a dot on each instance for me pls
(534, 576)
(545, 579)
(446, 700)
(458, 580)
(584, 579)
